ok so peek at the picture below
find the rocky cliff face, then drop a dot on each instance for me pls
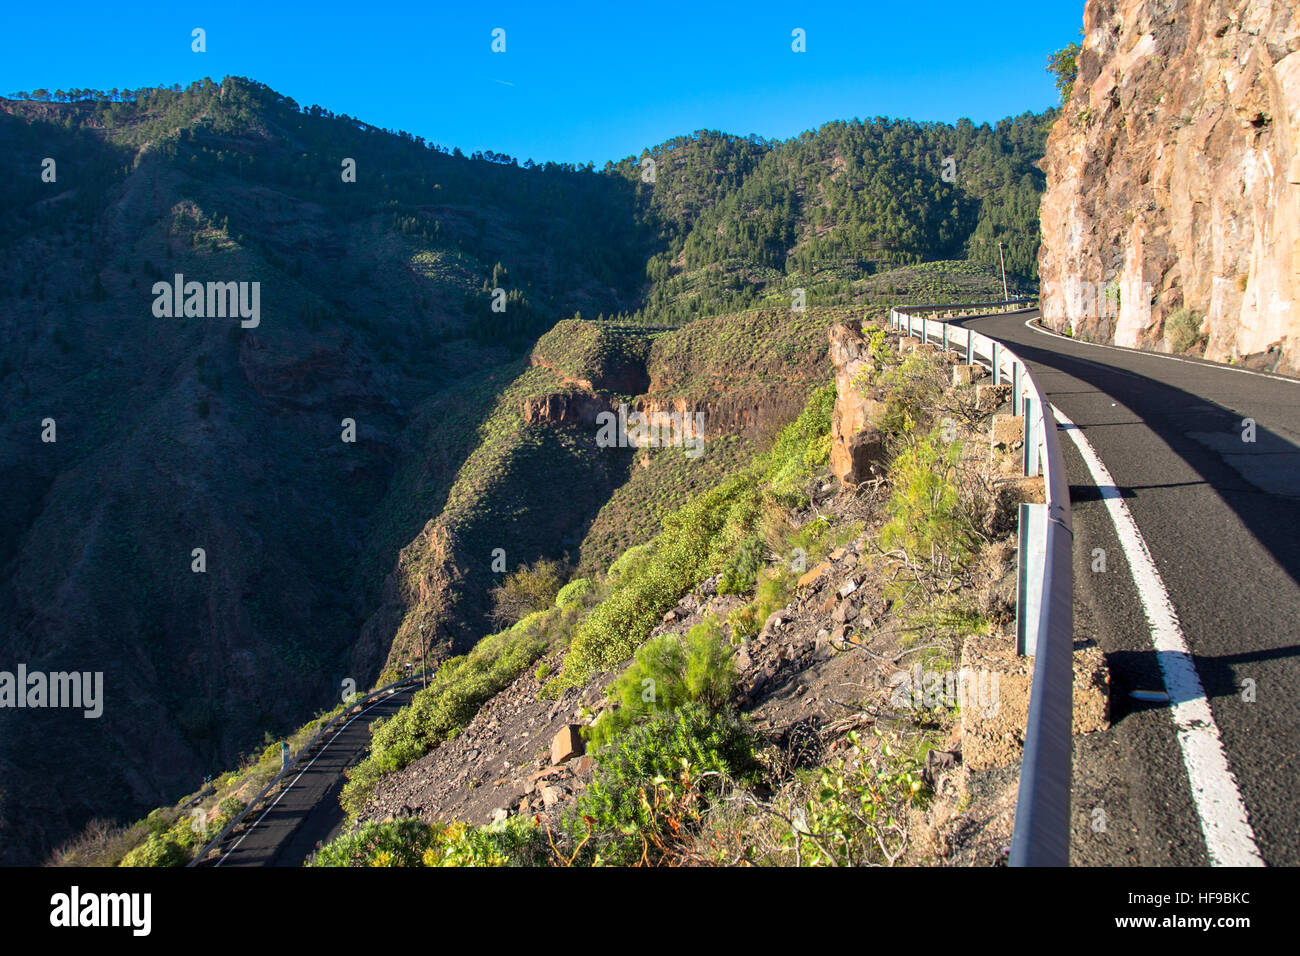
(857, 446)
(1173, 182)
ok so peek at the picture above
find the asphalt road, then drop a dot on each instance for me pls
(308, 812)
(1221, 519)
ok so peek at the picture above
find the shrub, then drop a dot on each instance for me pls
(801, 450)
(395, 843)
(743, 621)
(741, 570)
(525, 590)
(1183, 330)
(856, 814)
(926, 515)
(698, 539)
(912, 391)
(669, 671)
(514, 841)
(630, 563)
(652, 787)
(158, 850)
(575, 592)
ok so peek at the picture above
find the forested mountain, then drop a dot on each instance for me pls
(176, 434)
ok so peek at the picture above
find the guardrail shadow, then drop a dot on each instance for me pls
(1259, 481)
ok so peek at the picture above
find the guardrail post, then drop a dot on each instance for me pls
(945, 336)
(997, 366)
(1035, 452)
(1030, 455)
(1031, 551)
(925, 329)
(1016, 397)
(970, 346)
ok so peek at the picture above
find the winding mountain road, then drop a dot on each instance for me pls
(1187, 574)
(307, 812)
(1199, 531)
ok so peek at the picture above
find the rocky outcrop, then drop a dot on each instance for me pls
(1173, 181)
(857, 446)
(564, 408)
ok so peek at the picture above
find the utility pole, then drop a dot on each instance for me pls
(424, 657)
(1005, 295)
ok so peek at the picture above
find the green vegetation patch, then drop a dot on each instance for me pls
(697, 540)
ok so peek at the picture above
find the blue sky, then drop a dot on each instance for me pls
(578, 82)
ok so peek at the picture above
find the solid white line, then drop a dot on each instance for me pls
(1173, 358)
(1229, 839)
(221, 859)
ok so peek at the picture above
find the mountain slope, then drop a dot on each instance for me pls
(322, 556)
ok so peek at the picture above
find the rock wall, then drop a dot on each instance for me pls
(857, 447)
(1173, 180)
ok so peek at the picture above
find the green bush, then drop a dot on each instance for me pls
(911, 391)
(630, 563)
(652, 786)
(744, 621)
(801, 450)
(514, 841)
(926, 514)
(575, 592)
(1183, 330)
(740, 573)
(856, 814)
(699, 539)
(669, 671)
(394, 843)
(526, 590)
(158, 850)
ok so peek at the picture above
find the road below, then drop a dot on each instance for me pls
(1220, 516)
(308, 812)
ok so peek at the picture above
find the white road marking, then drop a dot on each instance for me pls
(1173, 358)
(221, 859)
(1229, 839)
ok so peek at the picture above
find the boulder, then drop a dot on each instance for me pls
(812, 576)
(568, 743)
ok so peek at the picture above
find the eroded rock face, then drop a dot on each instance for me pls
(564, 408)
(856, 445)
(1173, 179)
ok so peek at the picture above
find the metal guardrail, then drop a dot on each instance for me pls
(1044, 612)
(358, 706)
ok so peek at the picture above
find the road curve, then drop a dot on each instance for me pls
(307, 812)
(1221, 521)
